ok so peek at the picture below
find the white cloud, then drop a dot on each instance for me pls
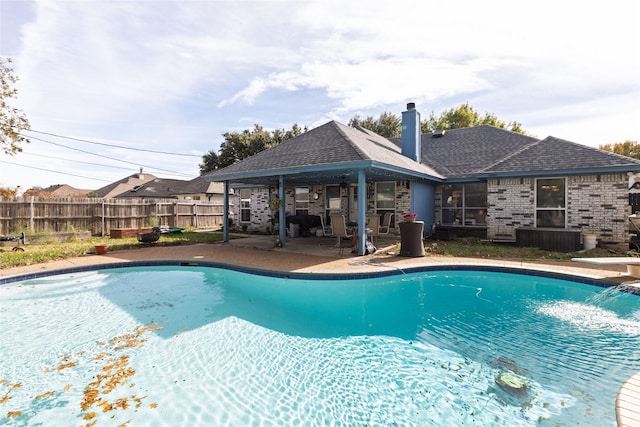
(177, 74)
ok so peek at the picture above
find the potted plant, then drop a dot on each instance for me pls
(102, 248)
(409, 216)
(275, 203)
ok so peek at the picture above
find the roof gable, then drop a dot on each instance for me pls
(554, 154)
(324, 147)
(201, 185)
(464, 152)
(123, 185)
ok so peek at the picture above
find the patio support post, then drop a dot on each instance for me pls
(225, 216)
(282, 221)
(362, 210)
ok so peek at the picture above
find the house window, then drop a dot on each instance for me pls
(302, 200)
(464, 204)
(245, 205)
(551, 202)
(385, 198)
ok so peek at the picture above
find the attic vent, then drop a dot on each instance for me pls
(136, 188)
(438, 134)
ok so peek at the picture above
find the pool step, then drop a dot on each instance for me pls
(628, 403)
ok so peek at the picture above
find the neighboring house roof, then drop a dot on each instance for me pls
(123, 185)
(328, 153)
(201, 185)
(64, 190)
(158, 188)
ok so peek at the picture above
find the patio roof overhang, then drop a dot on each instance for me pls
(322, 174)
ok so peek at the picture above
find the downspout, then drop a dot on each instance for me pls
(225, 216)
(362, 210)
(282, 221)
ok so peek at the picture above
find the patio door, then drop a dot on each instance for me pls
(352, 203)
(333, 201)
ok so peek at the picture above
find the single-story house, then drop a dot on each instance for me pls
(482, 180)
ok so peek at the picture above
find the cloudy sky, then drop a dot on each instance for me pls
(114, 86)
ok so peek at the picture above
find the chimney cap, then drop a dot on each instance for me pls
(411, 106)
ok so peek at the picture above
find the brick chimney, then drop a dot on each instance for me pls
(411, 146)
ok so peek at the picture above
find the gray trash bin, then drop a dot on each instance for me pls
(294, 230)
(411, 244)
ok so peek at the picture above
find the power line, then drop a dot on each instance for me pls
(49, 170)
(107, 157)
(76, 161)
(111, 145)
(94, 164)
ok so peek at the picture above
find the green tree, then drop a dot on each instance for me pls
(240, 145)
(628, 148)
(387, 125)
(463, 117)
(12, 120)
(390, 126)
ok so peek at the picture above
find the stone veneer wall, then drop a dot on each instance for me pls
(595, 204)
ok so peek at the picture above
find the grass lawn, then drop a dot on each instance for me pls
(502, 251)
(43, 252)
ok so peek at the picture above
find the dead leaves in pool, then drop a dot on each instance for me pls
(115, 373)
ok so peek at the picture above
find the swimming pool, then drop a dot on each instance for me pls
(193, 345)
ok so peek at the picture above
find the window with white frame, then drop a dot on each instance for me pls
(551, 202)
(302, 200)
(245, 205)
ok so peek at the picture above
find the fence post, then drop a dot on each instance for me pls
(103, 218)
(32, 213)
(195, 215)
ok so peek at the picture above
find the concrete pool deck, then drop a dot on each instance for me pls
(313, 255)
(319, 255)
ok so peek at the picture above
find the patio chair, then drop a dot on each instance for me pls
(327, 231)
(386, 223)
(351, 243)
(339, 228)
(373, 226)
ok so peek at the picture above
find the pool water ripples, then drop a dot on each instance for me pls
(233, 349)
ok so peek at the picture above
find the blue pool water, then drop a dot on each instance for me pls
(171, 345)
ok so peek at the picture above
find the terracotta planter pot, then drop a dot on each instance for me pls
(102, 249)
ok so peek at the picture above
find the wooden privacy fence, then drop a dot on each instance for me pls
(99, 216)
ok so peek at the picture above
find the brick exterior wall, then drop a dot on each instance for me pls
(595, 204)
(600, 204)
(510, 204)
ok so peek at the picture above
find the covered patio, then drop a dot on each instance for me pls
(337, 155)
